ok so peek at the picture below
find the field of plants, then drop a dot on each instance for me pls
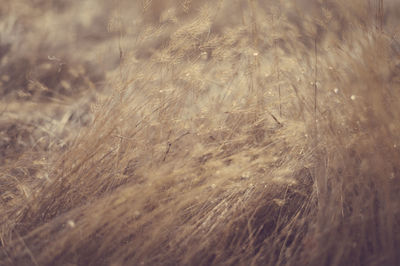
(180, 132)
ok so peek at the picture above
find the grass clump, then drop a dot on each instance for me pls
(234, 133)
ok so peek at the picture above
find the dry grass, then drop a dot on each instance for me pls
(200, 132)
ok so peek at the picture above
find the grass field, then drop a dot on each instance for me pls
(179, 132)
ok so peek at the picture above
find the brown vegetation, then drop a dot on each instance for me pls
(238, 132)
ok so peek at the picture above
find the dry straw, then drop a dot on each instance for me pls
(193, 157)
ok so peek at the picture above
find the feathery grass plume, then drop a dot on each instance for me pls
(190, 155)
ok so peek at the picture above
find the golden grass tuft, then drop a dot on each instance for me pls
(210, 133)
